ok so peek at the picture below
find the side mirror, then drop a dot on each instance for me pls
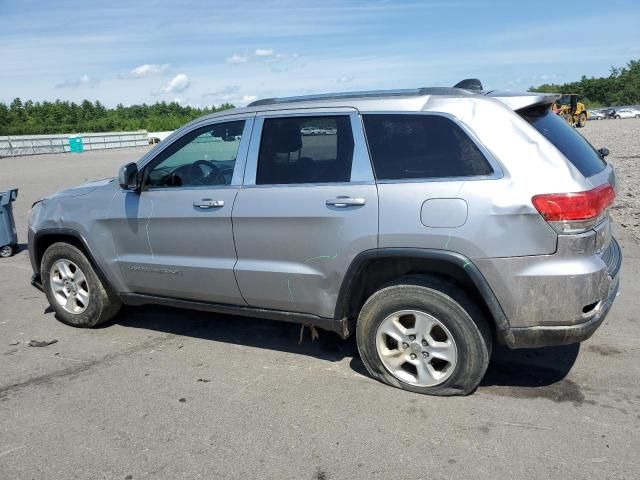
(128, 177)
(603, 152)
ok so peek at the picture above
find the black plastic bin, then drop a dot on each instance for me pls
(8, 236)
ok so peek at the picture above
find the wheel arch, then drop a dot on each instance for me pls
(372, 269)
(43, 239)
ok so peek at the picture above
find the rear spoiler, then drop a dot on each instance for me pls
(522, 101)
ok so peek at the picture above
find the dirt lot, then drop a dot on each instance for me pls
(163, 393)
(622, 138)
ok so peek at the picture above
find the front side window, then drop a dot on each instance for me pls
(298, 150)
(421, 146)
(206, 156)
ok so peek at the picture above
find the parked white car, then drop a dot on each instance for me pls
(628, 113)
(311, 131)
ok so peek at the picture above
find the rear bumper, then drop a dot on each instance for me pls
(548, 329)
(553, 335)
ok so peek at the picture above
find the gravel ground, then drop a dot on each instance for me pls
(164, 393)
(622, 138)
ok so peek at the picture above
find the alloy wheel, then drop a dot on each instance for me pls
(69, 286)
(416, 348)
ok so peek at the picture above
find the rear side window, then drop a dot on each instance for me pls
(421, 146)
(296, 150)
(570, 143)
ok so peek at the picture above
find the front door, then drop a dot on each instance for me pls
(309, 205)
(175, 238)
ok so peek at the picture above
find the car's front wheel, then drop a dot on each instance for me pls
(74, 290)
(424, 335)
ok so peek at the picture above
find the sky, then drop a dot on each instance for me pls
(205, 53)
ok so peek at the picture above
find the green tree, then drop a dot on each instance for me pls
(30, 117)
(621, 87)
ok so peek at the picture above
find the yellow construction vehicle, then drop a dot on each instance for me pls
(571, 110)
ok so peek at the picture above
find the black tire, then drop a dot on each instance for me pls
(450, 305)
(582, 120)
(103, 304)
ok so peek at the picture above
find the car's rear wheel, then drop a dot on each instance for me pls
(424, 335)
(74, 290)
(6, 251)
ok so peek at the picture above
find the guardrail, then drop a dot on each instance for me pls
(11, 146)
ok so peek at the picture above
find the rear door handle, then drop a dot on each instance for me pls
(207, 203)
(343, 202)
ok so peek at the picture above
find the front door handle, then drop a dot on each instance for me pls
(207, 203)
(343, 202)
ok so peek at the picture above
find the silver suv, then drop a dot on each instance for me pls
(430, 222)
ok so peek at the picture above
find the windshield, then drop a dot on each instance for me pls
(570, 143)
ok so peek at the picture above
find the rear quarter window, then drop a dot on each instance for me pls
(563, 136)
(421, 147)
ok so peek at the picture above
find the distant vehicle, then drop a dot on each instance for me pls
(311, 131)
(573, 111)
(627, 113)
(330, 131)
(609, 113)
(594, 115)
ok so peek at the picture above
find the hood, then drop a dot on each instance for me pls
(83, 189)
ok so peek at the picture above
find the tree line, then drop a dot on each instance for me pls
(621, 87)
(32, 118)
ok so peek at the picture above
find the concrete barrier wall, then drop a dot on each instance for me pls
(36, 144)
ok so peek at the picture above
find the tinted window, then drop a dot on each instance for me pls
(572, 145)
(421, 146)
(205, 156)
(305, 150)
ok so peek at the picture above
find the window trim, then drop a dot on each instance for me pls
(361, 169)
(238, 170)
(497, 173)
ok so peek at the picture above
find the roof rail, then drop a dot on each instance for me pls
(408, 92)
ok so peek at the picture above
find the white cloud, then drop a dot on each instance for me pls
(177, 84)
(228, 90)
(228, 94)
(148, 69)
(237, 58)
(264, 52)
(83, 80)
(345, 79)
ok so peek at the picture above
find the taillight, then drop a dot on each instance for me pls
(574, 212)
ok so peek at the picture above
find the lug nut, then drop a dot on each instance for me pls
(425, 354)
(412, 337)
(424, 343)
(413, 356)
(405, 345)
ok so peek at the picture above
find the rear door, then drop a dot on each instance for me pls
(175, 237)
(308, 206)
